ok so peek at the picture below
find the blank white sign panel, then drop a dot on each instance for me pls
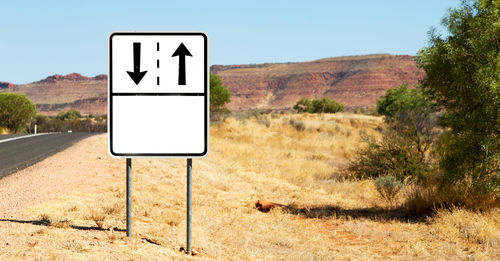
(158, 94)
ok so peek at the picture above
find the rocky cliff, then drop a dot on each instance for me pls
(355, 81)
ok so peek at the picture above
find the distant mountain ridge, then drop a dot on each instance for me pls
(355, 81)
(4, 85)
(58, 93)
(72, 77)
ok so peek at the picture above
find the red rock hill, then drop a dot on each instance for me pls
(356, 81)
(4, 85)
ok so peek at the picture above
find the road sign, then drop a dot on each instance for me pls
(158, 94)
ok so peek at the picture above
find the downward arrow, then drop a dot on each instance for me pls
(182, 51)
(137, 75)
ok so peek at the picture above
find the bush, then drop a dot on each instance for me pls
(395, 155)
(303, 105)
(388, 187)
(71, 114)
(297, 124)
(324, 105)
(264, 122)
(65, 121)
(16, 111)
(405, 148)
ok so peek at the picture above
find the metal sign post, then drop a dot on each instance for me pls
(158, 102)
(129, 197)
(188, 204)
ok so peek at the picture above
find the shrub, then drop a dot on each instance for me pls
(297, 124)
(394, 155)
(56, 124)
(388, 187)
(71, 114)
(405, 148)
(264, 122)
(303, 105)
(325, 105)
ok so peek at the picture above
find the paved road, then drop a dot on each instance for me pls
(21, 153)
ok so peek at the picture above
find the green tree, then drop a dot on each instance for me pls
(463, 77)
(219, 95)
(71, 114)
(16, 111)
(402, 99)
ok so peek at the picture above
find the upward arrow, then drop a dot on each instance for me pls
(137, 75)
(182, 51)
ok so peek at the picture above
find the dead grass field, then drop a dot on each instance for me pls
(331, 218)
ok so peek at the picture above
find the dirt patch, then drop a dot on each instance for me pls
(62, 173)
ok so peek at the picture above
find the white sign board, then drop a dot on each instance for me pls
(158, 94)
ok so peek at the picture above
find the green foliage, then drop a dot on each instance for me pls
(63, 124)
(324, 105)
(397, 154)
(303, 105)
(402, 99)
(388, 187)
(463, 77)
(71, 114)
(219, 94)
(16, 111)
(404, 150)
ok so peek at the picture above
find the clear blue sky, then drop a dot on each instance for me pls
(41, 38)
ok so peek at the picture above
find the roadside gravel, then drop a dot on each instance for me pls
(66, 171)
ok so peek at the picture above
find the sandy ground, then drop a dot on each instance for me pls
(49, 179)
(248, 161)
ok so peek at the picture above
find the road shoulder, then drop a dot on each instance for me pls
(48, 179)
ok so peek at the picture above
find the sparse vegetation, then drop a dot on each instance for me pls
(70, 120)
(328, 214)
(71, 114)
(433, 159)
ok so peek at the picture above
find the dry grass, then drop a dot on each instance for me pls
(329, 217)
(98, 216)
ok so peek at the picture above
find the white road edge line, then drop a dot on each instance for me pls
(25, 136)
